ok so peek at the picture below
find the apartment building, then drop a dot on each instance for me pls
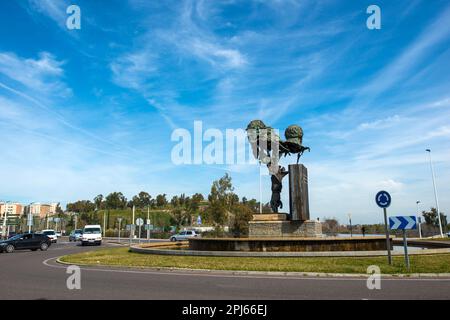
(42, 210)
(11, 208)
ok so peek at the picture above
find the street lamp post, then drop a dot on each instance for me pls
(350, 220)
(5, 218)
(419, 220)
(435, 193)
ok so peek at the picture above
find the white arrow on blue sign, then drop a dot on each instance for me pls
(402, 223)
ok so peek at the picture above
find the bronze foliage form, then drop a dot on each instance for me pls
(267, 148)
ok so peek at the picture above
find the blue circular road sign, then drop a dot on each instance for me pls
(383, 199)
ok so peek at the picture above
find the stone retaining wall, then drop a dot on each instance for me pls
(307, 229)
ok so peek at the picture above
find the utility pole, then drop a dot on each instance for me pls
(419, 220)
(435, 194)
(104, 223)
(350, 220)
(148, 223)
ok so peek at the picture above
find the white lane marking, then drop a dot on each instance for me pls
(46, 262)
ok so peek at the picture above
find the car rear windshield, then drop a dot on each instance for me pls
(49, 233)
(92, 231)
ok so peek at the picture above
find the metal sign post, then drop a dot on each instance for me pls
(403, 223)
(130, 227)
(29, 222)
(139, 223)
(405, 246)
(383, 200)
(148, 229)
(120, 222)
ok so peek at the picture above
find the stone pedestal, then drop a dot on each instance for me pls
(277, 225)
(298, 192)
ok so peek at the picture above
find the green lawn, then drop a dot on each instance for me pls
(122, 257)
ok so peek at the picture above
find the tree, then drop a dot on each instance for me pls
(195, 201)
(217, 213)
(98, 201)
(182, 199)
(144, 199)
(242, 214)
(59, 209)
(221, 199)
(161, 200)
(179, 216)
(116, 200)
(252, 204)
(81, 206)
(222, 191)
(431, 218)
(175, 201)
(134, 202)
(330, 226)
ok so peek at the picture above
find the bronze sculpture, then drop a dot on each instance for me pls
(267, 148)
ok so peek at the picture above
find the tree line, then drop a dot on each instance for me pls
(222, 207)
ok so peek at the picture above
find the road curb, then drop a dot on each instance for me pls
(165, 249)
(266, 273)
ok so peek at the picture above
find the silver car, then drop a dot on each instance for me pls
(184, 235)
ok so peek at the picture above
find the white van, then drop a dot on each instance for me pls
(51, 234)
(92, 234)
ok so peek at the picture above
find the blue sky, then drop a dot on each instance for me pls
(91, 111)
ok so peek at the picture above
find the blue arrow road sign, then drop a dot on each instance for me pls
(402, 223)
(383, 199)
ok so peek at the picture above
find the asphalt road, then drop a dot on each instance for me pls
(36, 275)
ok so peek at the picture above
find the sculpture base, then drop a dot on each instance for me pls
(276, 225)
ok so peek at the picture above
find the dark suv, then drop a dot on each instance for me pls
(26, 241)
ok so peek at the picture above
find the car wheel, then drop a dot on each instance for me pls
(44, 246)
(10, 248)
(173, 239)
(100, 243)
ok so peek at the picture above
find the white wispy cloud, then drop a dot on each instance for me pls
(406, 63)
(55, 10)
(41, 75)
(215, 54)
(133, 70)
(192, 40)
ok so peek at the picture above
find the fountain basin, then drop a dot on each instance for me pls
(289, 244)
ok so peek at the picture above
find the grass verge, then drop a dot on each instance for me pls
(122, 257)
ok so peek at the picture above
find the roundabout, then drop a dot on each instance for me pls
(184, 248)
